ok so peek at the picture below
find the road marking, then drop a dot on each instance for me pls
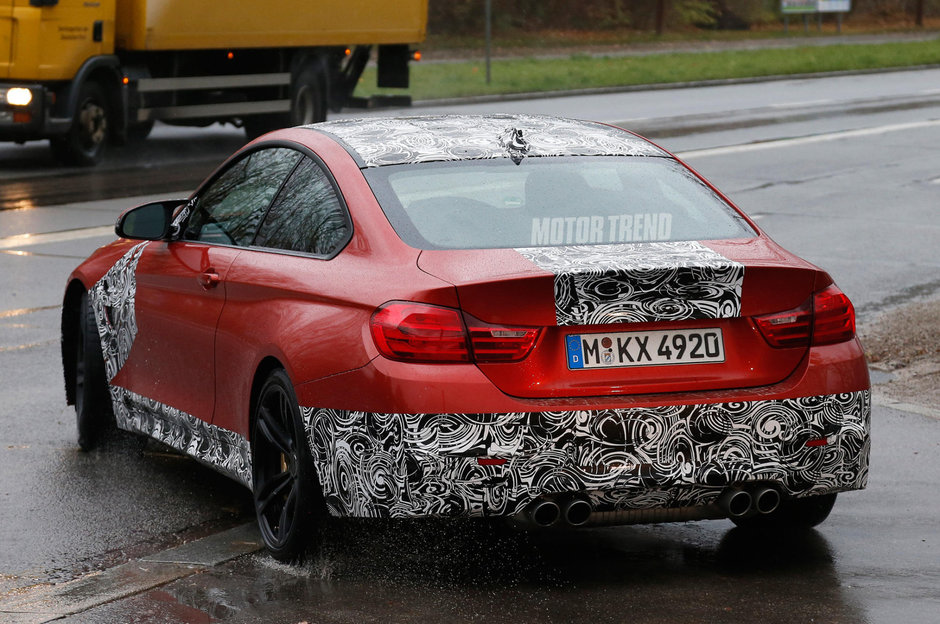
(31, 345)
(802, 104)
(28, 240)
(23, 311)
(816, 138)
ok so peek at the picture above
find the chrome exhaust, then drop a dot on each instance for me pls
(577, 511)
(766, 500)
(544, 512)
(735, 502)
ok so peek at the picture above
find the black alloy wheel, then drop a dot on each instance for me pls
(793, 514)
(93, 409)
(287, 495)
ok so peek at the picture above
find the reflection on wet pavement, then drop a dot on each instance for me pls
(432, 571)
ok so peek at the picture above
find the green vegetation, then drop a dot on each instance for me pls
(528, 75)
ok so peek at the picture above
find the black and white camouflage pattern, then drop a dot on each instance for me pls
(220, 449)
(112, 300)
(397, 465)
(395, 141)
(640, 282)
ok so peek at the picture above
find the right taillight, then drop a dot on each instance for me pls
(825, 318)
(419, 332)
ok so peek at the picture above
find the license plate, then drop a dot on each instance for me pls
(645, 348)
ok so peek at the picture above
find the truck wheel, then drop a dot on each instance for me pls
(288, 499)
(85, 141)
(308, 102)
(139, 131)
(92, 400)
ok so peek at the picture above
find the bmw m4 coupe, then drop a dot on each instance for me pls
(544, 319)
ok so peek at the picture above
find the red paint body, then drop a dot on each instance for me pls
(198, 347)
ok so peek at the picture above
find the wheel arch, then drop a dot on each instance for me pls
(267, 366)
(71, 310)
(106, 72)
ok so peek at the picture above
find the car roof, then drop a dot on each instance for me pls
(379, 141)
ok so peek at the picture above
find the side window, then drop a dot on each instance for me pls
(306, 216)
(229, 210)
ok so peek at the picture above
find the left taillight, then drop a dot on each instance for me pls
(827, 317)
(418, 332)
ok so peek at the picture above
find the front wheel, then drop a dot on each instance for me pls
(792, 514)
(92, 400)
(287, 496)
(84, 144)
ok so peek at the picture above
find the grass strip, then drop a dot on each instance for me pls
(530, 75)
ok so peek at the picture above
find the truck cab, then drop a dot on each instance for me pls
(86, 73)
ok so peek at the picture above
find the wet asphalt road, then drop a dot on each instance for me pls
(875, 560)
(863, 206)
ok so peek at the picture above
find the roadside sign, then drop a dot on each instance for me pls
(815, 6)
(834, 6)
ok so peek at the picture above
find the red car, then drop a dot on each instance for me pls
(545, 319)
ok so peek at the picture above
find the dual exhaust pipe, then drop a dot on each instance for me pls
(576, 510)
(549, 511)
(741, 502)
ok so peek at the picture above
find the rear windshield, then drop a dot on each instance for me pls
(545, 202)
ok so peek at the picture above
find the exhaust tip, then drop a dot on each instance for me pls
(736, 503)
(577, 511)
(544, 513)
(766, 500)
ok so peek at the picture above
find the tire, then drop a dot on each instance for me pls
(307, 104)
(85, 142)
(792, 514)
(139, 131)
(93, 411)
(308, 100)
(287, 496)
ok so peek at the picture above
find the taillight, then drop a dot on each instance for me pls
(833, 317)
(496, 343)
(825, 318)
(418, 332)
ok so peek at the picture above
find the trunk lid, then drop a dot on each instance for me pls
(645, 300)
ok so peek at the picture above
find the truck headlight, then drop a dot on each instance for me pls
(18, 96)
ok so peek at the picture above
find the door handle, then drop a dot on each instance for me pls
(209, 279)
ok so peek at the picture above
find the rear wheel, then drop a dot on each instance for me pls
(139, 131)
(92, 400)
(85, 141)
(795, 513)
(287, 496)
(308, 102)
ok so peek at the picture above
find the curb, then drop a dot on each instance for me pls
(881, 400)
(47, 603)
(541, 95)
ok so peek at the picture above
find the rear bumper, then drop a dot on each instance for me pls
(681, 456)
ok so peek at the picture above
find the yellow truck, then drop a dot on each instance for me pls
(85, 73)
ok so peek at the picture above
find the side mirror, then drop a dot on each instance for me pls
(147, 222)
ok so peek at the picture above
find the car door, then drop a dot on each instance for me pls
(285, 294)
(181, 283)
